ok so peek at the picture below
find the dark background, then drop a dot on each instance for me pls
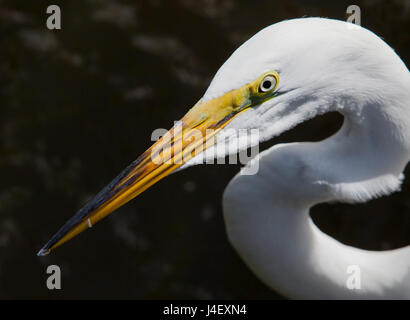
(77, 105)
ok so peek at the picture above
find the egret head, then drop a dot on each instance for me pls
(322, 65)
(285, 74)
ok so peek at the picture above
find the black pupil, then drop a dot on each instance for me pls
(266, 84)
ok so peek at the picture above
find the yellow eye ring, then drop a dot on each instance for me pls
(268, 83)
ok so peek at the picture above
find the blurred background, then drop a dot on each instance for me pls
(77, 105)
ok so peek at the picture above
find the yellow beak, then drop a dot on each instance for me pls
(195, 133)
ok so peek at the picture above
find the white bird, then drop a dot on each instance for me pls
(287, 73)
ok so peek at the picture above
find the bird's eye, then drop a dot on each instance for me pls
(267, 84)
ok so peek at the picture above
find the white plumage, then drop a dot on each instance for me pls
(319, 66)
(325, 65)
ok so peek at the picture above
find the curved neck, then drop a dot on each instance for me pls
(292, 256)
(268, 222)
(362, 161)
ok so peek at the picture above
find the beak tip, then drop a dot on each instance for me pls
(43, 252)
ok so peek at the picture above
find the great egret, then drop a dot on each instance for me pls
(287, 73)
